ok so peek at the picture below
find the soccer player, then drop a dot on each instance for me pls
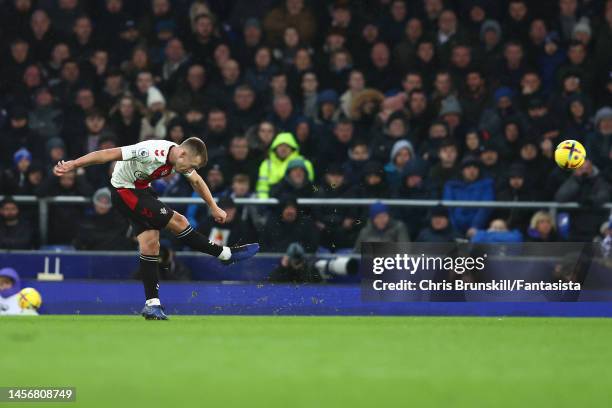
(137, 165)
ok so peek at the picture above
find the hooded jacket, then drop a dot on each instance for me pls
(478, 190)
(273, 169)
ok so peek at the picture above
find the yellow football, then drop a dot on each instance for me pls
(29, 298)
(570, 154)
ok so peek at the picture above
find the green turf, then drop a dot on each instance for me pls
(293, 362)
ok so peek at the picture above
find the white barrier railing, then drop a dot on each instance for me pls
(44, 202)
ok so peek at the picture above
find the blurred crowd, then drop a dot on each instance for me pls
(424, 99)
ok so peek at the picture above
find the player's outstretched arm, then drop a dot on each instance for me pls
(200, 187)
(97, 157)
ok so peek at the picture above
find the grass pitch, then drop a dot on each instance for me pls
(230, 361)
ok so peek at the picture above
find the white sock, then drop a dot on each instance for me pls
(226, 254)
(153, 302)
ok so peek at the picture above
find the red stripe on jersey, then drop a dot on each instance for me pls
(128, 197)
(159, 172)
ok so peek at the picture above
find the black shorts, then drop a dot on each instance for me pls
(142, 207)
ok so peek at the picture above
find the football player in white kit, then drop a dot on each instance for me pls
(137, 165)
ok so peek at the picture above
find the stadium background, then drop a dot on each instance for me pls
(460, 100)
(422, 100)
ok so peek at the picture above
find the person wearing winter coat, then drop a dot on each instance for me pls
(542, 228)
(497, 232)
(295, 182)
(413, 186)
(272, 170)
(287, 226)
(401, 155)
(599, 143)
(335, 223)
(154, 124)
(589, 188)
(381, 227)
(439, 229)
(471, 187)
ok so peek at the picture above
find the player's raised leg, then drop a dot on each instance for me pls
(148, 242)
(185, 233)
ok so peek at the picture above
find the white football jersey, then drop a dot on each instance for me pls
(142, 163)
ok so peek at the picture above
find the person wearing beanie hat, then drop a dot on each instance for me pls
(402, 153)
(489, 28)
(515, 188)
(335, 223)
(489, 157)
(582, 31)
(439, 229)
(599, 143)
(451, 112)
(381, 227)
(295, 267)
(471, 187)
(413, 186)
(295, 182)
(22, 159)
(155, 98)
(103, 230)
(287, 226)
(102, 199)
(396, 128)
(378, 208)
(10, 286)
(492, 118)
(450, 106)
(154, 124)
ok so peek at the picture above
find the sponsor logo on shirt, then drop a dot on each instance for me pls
(140, 175)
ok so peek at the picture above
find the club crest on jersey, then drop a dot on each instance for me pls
(163, 211)
(143, 152)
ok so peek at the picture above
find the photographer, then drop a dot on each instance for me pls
(295, 267)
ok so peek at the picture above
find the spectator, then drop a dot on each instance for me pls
(402, 154)
(588, 187)
(292, 13)
(295, 183)
(413, 185)
(358, 156)
(15, 233)
(64, 220)
(497, 232)
(542, 228)
(599, 143)
(155, 122)
(234, 231)
(381, 227)
(446, 168)
(471, 187)
(283, 150)
(105, 229)
(336, 226)
(515, 189)
(288, 226)
(439, 229)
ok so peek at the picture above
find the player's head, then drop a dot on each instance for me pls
(191, 155)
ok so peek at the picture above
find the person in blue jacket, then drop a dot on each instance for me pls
(471, 187)
(498, 232)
